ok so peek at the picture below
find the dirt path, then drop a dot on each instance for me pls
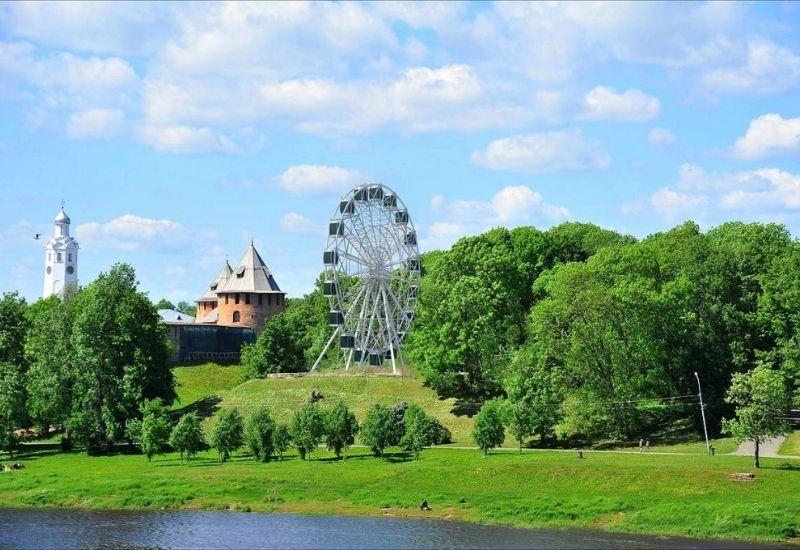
(769, 448)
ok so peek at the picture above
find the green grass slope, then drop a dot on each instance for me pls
(658, 494)
(284, 395)
(791, 445)
(195, 382)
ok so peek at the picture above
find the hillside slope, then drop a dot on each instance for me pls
(284, 395)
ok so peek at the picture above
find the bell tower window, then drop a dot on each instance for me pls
(58, 257)
(235, 316)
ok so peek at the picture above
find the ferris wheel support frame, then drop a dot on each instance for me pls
(372, 268)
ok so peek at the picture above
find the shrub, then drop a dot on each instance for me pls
(259, 434)
(307, 429)
(154, 434)
(187, 436)
(228, 433)
(422, 430)
(380, 429)
(488, 430)
(281, 439)
(341, 428)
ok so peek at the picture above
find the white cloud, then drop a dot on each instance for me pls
(762, 194)
(117, 28)
(565, 150)
(67, 80)
(186, 139)
(292, 222)
(271, 38)
(604, 103)
(130, 232)
(766, 69)
(314, 179)
(769, 135)
(436, 202)
(95, 123)
(675, 204)
(441, 235)
(661, 137)
(511, 206)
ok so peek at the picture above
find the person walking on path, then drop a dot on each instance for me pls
(647, 446)
(641, 445)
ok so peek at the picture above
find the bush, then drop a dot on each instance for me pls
(154, 433)
(307, 429)
(421, 430)
(259, 434)
(281, 439)
(341, 428)
(381, 429)
(488, 430)
(228, 433)
(187, 436)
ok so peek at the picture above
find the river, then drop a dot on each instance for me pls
(71, 528)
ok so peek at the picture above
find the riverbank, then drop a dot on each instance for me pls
(694, 496)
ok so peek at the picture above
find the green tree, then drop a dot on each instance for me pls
(121, 357)
(260, 433)
(227, 434)
(155, 428)
(341, 428)
(279, 348)
(380, 429)
(308, 427)
(185, 307)
(13, 329)
(163, 303)
(421, 430)
(50, 356)
(761, 400)
(281, 439)
(533, 403)
(488, 430)
(187, 437)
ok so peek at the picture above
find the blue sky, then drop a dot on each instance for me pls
(176, 132)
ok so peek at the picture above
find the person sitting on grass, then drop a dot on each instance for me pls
(424, 505)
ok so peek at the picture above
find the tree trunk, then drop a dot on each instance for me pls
(755, 456)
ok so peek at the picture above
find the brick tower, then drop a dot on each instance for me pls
(250, 294)
(207, 303)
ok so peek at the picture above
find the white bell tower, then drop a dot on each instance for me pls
(61, 258)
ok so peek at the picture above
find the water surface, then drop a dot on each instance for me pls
(71, 528)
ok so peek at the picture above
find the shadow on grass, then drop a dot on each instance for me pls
(788, 467)
(466, 407)
(204, 408)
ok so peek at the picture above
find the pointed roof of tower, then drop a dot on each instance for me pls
(251, 275)
(217, 283)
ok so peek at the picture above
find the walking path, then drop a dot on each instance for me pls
(768, 448)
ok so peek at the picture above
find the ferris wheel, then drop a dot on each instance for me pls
(372, 274)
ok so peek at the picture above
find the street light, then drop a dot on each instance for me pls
(702, 412)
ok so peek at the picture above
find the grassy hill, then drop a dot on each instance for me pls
(196, 382)
(284, 395)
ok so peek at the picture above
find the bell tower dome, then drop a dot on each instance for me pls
(61, 258)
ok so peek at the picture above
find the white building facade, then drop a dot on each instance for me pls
(61, 259)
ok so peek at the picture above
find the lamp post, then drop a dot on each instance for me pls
(703, 412)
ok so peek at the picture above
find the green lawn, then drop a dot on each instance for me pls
(658, 494)
(791, 446)
(198, 381)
